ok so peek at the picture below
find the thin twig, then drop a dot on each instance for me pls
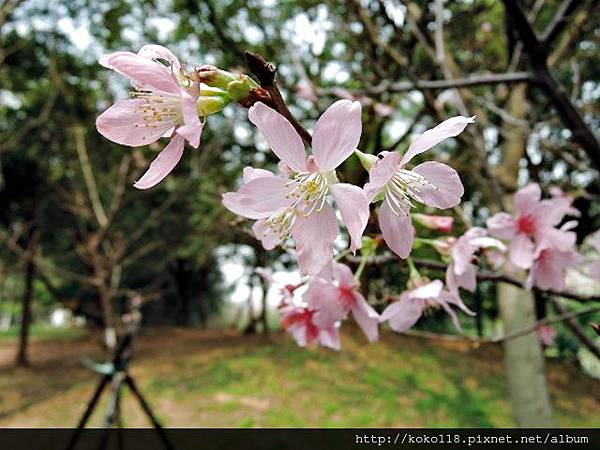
(265, 72)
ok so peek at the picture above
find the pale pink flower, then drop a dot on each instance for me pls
(431, 183)
(550, 263)
(461, 272)
(298, 207)
(546, 334)
(164, 103)
(534, 222)
(383, 110)
(408, 308)
(334, 297)
(437, 223)
(306, 90)
(557, 192)
(299, 322)
(286, 291)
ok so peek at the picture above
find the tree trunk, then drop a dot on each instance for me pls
(110, 331)
(22, 359)
(261, 261)
(524, 359)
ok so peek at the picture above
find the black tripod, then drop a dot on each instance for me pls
(116, 374)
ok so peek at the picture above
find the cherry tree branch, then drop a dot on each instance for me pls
(564, 316)
(482, 275)
(559, 21)
(537, 52)
(572, 323)
(406, 86)
(265, 72)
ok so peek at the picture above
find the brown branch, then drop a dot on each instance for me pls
(564, 316)
(572, 323)
(88, 176)
(265, 72)
(559, 21)
(538, 55)
(41, 263)
(482, 275)
(405, 86)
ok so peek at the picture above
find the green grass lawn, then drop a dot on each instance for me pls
(43, 332)
(214, 379)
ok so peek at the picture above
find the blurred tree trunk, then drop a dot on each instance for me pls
(524, 359)
(30, 269)
(261, 261)
(110, 331)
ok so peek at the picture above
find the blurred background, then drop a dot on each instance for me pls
(79, 244)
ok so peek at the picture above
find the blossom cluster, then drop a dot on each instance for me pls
(295, 207)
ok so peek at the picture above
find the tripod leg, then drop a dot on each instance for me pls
(119, 421)
(88, 412)
(155, 423)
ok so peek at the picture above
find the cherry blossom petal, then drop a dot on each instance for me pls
(366, 317)
(446, 189)
(258, 199)
(164, 163)
(558, 239)
(455, 300)
(324, 297)
(403, 313)
(344, 275)
(337, 134)
(448, 128)
(467, 279)
(429, 290)
(330, 337)
(268, 238)
(192, 128)
(124, 124)
(502, 225)
(250, 173)
(314, 236)
(520, 251)
(398, 232)
(527, 198)
(354, 208)
(144, 72)
(441, 301)
(153, 51)
(381, 172)
(280, 134)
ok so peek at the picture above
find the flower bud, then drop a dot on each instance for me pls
(211, 100)
(444, 245)
(365, 159)
(438, 223)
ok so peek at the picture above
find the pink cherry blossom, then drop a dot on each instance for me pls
(431, 183)
(408, 308)
(461, 272)
(306, 90)
(557, 192)
(550, 263)
(534, 222)
(164, 103)
(333, 297)
(438, 223)
(286, 291)
(299, 322)
(297, 207)
(546, 334)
